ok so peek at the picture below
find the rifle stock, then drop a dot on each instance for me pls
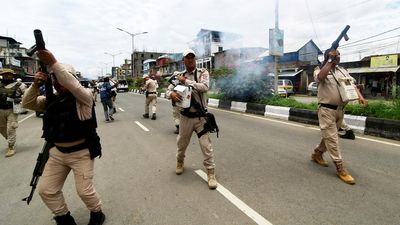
(38, 170)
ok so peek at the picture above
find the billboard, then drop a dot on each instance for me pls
(384, 61)
(276, 42)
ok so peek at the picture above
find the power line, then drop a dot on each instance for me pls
(347, 46)
(312, 22)
(376, 35)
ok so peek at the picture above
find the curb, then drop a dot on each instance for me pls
(365, 125)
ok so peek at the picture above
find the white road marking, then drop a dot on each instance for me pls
(141, 126)
(306, 126)
(237, 202)
(121, 110)
(26, 118)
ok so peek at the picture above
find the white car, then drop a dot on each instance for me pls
(122, 85)
(312, 88)
(285, 87)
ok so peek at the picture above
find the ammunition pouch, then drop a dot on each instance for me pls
(93, 144)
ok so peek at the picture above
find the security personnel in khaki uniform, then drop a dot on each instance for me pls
(69, 124)
(330, 113)
(10, 94)
(176, 113)
(150, 87)
(191, 120)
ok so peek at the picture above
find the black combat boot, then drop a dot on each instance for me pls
(177, 129)
(154, 117)
(348, 135)
(66, 219)
(97, 218)
(146, 115)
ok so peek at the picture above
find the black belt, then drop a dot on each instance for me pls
(191, 114)
(151, 92)
(74, 148)
(329, 106)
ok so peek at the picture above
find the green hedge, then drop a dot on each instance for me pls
(379, 109)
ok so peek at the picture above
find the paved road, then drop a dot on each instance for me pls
(262, 162)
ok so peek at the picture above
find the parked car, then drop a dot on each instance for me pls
(285, 87)
(312, 88)
(122, 85)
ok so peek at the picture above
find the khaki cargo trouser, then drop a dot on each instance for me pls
(55, 173)
(330, 121)
(8, 126)
(176, 114)
(186, 128)
(151, 101)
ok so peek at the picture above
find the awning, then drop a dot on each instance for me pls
(289, 73)
(373, 69)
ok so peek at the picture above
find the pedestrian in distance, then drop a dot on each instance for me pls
(106, 99)
(176, 113)
(330, 112)
(150, 88)
(10, 97)
(69, 125)
(348, 132)
(193, 118)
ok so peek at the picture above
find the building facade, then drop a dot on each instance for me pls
(209, 42)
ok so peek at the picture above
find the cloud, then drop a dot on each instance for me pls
(79, 32)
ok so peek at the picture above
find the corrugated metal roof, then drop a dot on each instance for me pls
(289, 73)
(373, 69)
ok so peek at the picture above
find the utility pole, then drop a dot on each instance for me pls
(276, 45)
(276, 57)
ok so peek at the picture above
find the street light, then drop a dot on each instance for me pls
(133, 46)
(113, 55)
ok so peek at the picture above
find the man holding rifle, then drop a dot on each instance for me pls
(330, 111)
(69, 125)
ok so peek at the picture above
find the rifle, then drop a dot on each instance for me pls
(39, 167)
(44, 154)
(335, 44)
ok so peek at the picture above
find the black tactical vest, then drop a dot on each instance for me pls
(61, 122)
(7, 93)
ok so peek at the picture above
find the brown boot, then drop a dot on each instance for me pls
(66, 219)
(212, 181)
(343, 174)
(317, 157)
(179, 167)
(10, 152)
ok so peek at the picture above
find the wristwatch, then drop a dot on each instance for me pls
(329, 60)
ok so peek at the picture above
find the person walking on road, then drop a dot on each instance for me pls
(349, 133)
(150, 88)
(192, 118)
(106, 99)
(10, 95)
(330, 112)
(176, 113)
(69, 125)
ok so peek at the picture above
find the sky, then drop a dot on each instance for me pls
(79, 32)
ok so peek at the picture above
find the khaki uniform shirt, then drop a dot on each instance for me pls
(84, 101)
(328, 91)
(200, 88)
(151, 86)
